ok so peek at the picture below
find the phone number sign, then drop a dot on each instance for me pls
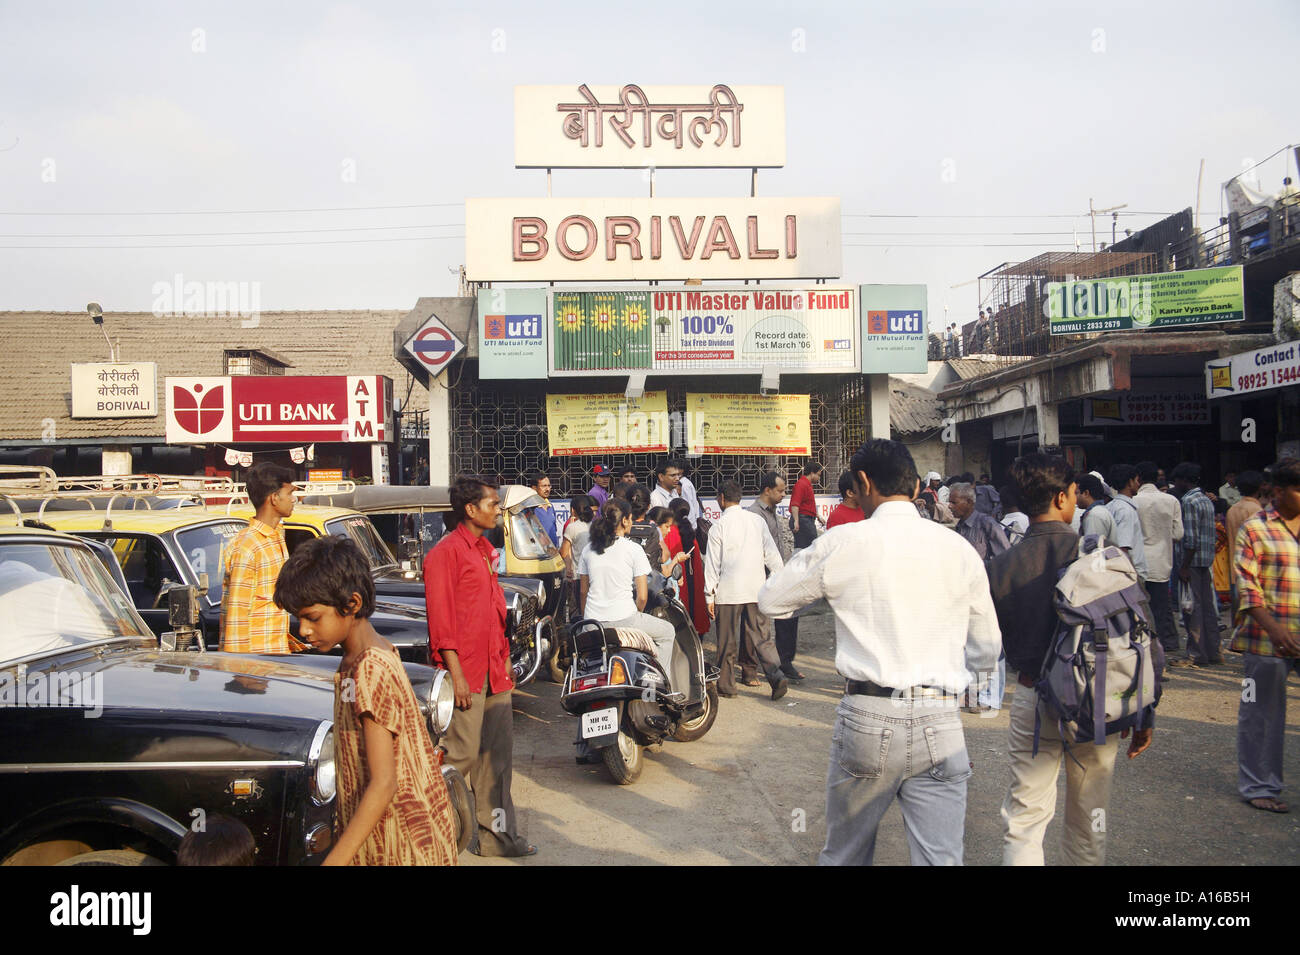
(1263, 369)
(1146, 409)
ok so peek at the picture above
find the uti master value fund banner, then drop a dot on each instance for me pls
(748, 424)
(606, 424)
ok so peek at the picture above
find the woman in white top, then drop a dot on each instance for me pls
(614, 574)
(582, 509)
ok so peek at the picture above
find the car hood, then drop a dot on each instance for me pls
(236, 684)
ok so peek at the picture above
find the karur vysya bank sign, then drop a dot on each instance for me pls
(257, 409)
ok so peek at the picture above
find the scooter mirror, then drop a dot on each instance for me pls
(677, 572)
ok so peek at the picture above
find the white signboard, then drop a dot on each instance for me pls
(115, 390)
(624, 239)
(1263, 369)
(434, 345)
(1146, 408)
(638, 126)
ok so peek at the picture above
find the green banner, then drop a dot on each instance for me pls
(602, 331)
(1163, 300)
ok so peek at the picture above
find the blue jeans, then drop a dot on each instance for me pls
(912, 749)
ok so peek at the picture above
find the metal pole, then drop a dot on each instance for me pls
(1093, 216)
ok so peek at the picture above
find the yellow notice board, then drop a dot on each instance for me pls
(748, 424)
(606, 424)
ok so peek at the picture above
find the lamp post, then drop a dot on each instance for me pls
(97, 316)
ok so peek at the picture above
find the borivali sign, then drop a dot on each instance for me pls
(274, 409)
(633, 126)
(642, 239)
(115, 390)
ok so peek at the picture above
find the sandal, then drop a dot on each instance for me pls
(751, 681)
(1268, 804)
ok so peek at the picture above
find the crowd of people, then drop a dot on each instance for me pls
(910, 648)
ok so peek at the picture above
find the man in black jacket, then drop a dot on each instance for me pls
(1023, 580)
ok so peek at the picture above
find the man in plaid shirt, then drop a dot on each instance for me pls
(1197, 568)
(250, 620)
(1268, 635)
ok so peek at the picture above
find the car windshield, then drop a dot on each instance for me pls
(56, 595)
(205, 548)
(361, 532)
(528, 539)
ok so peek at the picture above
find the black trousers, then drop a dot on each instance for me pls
(787, 638)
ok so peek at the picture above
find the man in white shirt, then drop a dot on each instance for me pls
(740, 549)
(1128, 526)
(1161, 517)
(907, 644)
(668, 478)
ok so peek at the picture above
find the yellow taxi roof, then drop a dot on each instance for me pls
(145, 521)
(314, 515)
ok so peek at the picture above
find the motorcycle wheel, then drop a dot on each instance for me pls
(624, 759)
(693, 729)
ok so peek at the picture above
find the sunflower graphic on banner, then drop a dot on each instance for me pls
(602, 331)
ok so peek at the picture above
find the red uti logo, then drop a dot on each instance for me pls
(494, 326)
(877, 323)
(196, 412)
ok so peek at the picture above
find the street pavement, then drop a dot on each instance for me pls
(752, 791)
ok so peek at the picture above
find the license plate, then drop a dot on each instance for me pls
(600, 722)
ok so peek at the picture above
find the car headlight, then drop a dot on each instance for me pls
(442, 703)
(320, 760)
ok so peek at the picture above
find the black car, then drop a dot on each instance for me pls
(157, 548)
(111, 748)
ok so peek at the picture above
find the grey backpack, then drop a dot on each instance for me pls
(1102, 670)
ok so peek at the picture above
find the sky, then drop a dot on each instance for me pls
(257, 143)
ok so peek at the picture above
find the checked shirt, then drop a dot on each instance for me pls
(1268, 576)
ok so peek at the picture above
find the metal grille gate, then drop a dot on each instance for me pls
(499, 431)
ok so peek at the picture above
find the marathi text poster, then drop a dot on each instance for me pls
(748, 424)
(607, 424)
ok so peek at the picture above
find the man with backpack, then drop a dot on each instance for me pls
(1023, 581)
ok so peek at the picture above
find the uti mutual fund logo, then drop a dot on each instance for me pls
(908, 322)
(504, 327)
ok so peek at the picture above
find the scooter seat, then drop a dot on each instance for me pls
(630, 639)
(589, 635)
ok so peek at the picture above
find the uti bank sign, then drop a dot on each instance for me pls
(251, 409)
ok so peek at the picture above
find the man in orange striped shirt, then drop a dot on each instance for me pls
(250, 620)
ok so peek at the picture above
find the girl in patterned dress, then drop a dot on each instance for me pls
(393, 806)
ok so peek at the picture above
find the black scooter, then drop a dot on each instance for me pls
(620, 692)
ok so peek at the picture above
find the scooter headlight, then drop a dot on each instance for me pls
(442, 703)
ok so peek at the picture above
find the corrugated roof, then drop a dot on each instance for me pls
(40, 348)
(973, 366)
(912, 409)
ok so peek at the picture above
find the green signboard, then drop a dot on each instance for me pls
(1163, 300)
(602, 331)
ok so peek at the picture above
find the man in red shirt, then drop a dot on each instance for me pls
(848, 510)
(803, 506)
(467, 616)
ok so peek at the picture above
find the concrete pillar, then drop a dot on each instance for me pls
(1049, 425)
(877, 406)
(115, 462)
(439, 433)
